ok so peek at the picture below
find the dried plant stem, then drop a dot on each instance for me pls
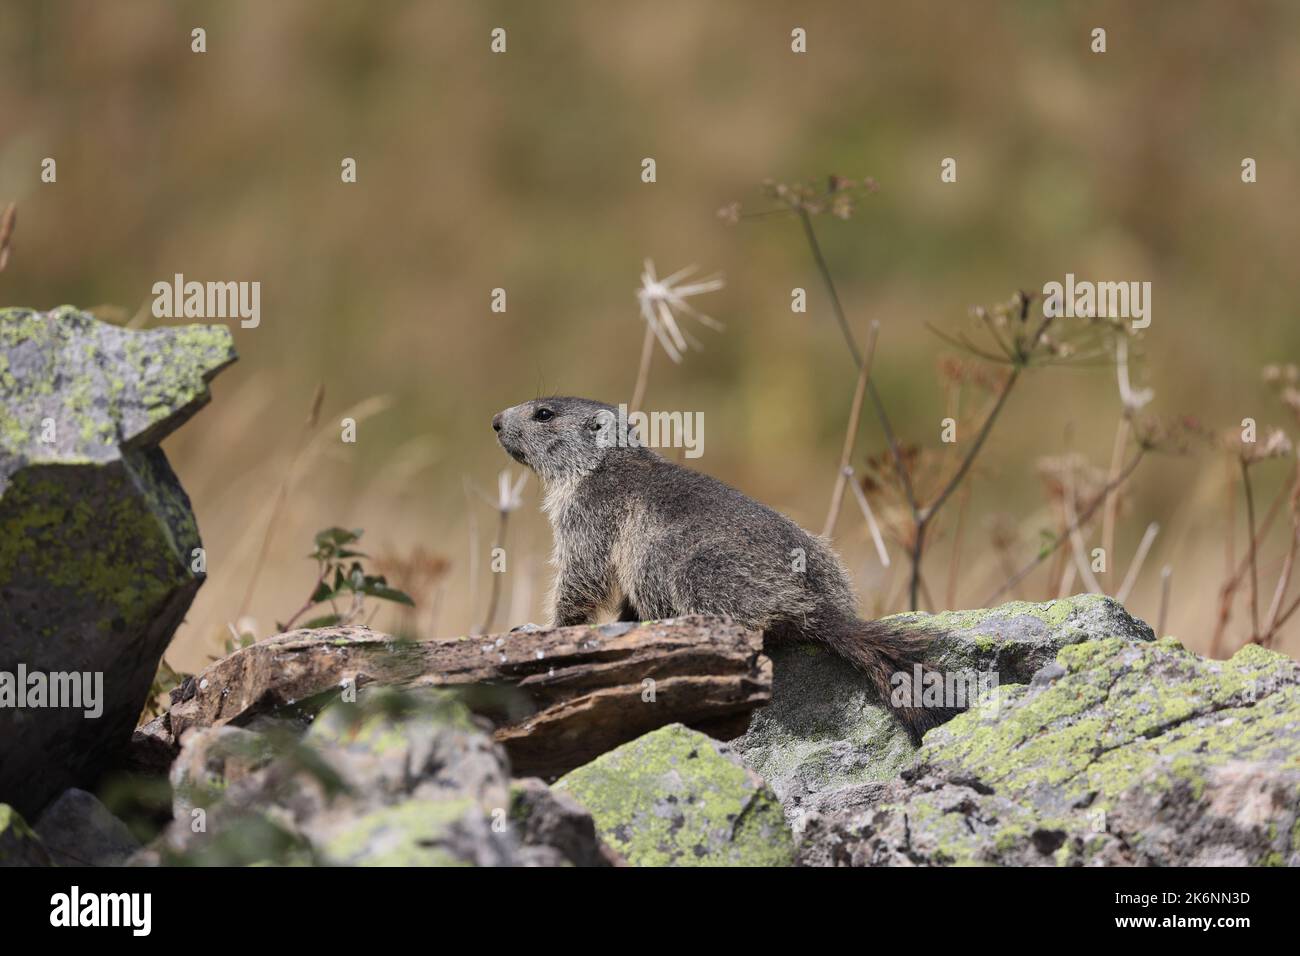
(288, 625)
(643, 370)
(895, 453)
(1046, 553)
(1234, 577)
(8, 219)
(1067, 581)
(1076, 537)
(851, 434)
(1252, 544)
(1279, 592)
(313, 416)
(870, 517)
(1135, 568)
(1112, 496)
(954, 563)
(471, 518)
(923, 517)
(1166, 580)
(494, 595)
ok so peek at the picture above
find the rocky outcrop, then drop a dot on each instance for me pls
(677, 797)
(826, 741)
(19, 844)
(98, 545)
(554, 829)
(78, 830)
(1116, 753)
(401, 778)
(559, 696)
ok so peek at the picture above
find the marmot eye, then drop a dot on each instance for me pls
(543, 415)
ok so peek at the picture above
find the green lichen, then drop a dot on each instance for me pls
(101, 386)
(673, 798)
(19, 844)
(1120, 706)
(413, 833)
(1126, 721)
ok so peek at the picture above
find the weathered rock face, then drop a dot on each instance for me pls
(19, 844)
(402, 778)
(676, 797)
(555, 829)
(826, 741)
(1116, 753)
(78, 830)
(560, 696)
(96, 533)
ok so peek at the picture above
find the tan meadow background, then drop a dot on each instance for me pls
(522, 171)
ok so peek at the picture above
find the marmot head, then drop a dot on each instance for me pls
(559, 437)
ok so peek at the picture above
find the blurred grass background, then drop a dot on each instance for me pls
(522, 171)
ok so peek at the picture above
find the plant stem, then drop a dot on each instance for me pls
(1233, 579)
(495, 593)
(851, 433)
(879, 407)
(1112, 497)
(1279, 592)
(1254, 573)
(280, 498)
(1166, 579)
(643, 371)
(1062, 538)
(288, 625)
(926, 515)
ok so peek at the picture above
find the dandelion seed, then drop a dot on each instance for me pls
(663, 303)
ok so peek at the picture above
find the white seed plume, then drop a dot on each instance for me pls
(508, 494)
(663, 301)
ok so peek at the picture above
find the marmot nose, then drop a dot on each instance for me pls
(496, 422)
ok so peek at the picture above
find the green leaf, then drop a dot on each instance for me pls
(336, 537)
(384, 593)
(327, 621)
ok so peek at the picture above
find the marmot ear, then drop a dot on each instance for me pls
(601, 427)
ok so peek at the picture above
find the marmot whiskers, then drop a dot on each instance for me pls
(642, 538)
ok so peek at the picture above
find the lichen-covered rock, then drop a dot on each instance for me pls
(401, 778)
(211, 759)
(826, 741)
(97, 539)
(19, 844)
(676, 797)
(78, 830)
(554, 829)
(1117, 753)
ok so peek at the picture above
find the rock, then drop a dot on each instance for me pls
(402, 778)
(19, 844)
(676, 797)
(78, 830)
(560, 696)
(825, 738)
(211, 760)
(554, 829)
(97, 537)
(1127, 753)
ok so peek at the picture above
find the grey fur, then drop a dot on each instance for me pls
(641, 537)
